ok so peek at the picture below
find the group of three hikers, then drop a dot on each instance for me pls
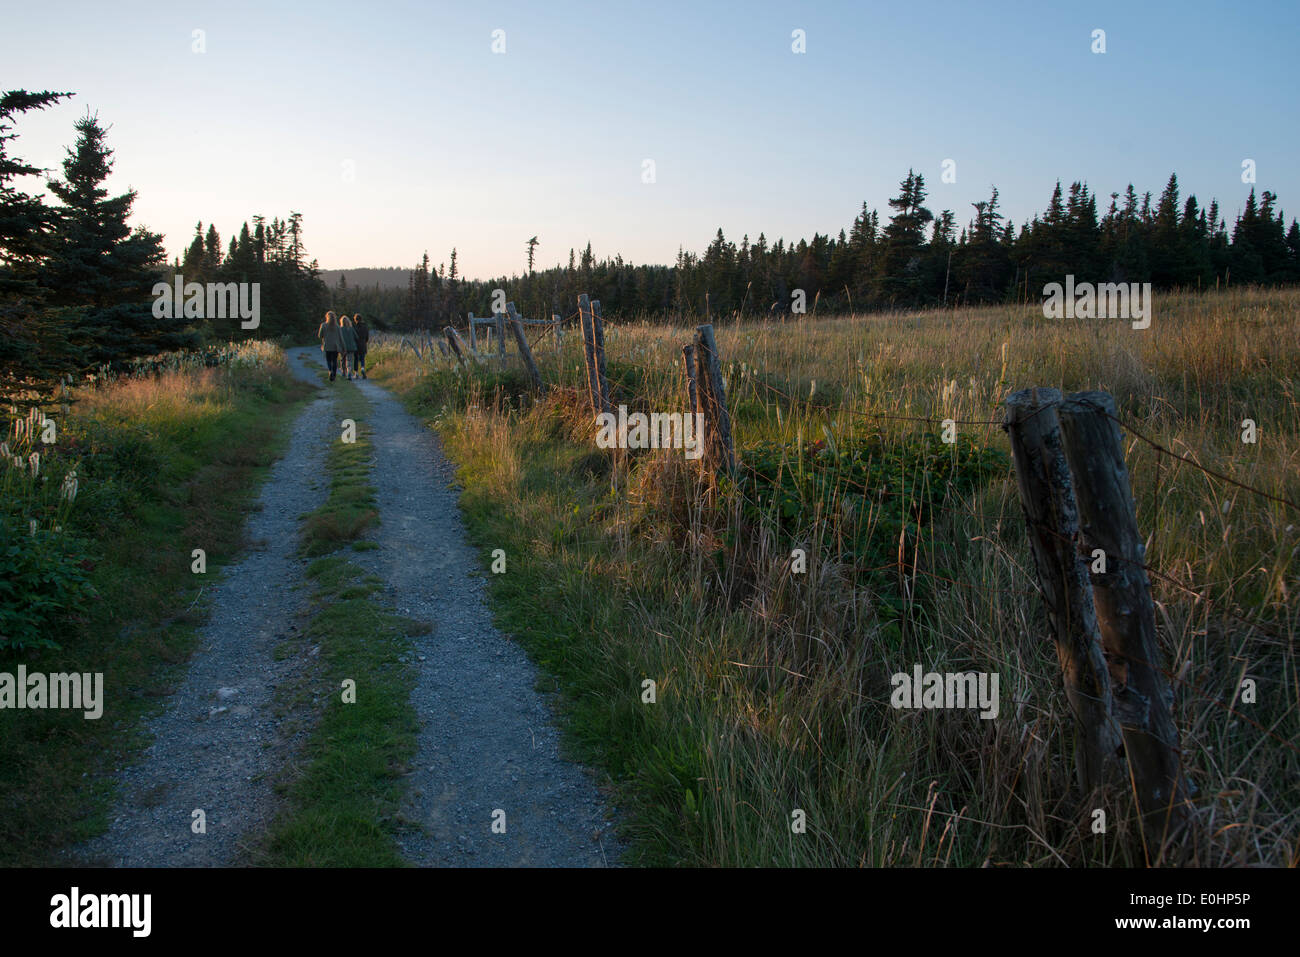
(348, 337)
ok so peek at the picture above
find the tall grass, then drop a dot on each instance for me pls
(773, 686)
(166, 460)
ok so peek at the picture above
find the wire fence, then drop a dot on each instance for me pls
(915, 568)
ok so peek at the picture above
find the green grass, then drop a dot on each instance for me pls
(350, 507)
(167, 465)
(342, 808)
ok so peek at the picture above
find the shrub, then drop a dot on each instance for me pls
(42, 583)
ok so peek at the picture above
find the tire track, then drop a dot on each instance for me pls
(217, 745)
(488, 741)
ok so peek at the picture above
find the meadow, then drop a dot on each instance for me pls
(772, 686)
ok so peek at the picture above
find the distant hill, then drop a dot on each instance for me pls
(388, 277)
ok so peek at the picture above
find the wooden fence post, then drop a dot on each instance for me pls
(598, 336)
(588, 352)
(501, 338)
(1052, 521)
(473, 338)
(517, 327)
(688, 360)
(1094, 450)
(559, 331)
(712, 396)
(454, 340)
(599, 397)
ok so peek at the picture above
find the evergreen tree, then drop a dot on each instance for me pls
(35, 346)
(899, 274)
(194, 267)
(986, 262)
(211, 251)
(99, 263)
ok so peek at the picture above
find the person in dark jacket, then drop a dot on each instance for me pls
(331, 342)
(349, 346)
(362, 332)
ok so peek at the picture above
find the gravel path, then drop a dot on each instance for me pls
(217, 745)
(487, 738)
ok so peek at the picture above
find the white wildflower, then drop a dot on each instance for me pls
(69, 489)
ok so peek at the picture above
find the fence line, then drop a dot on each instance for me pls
(1155, 752)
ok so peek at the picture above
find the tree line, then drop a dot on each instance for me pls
(77, 280)
(913, 259)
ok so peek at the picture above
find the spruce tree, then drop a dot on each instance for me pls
(899, 273)
(35, 347)
(99, 263)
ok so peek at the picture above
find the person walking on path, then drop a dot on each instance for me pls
(349, 347)
(331, 342)
(362, 332)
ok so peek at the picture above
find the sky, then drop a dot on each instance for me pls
(396, 128)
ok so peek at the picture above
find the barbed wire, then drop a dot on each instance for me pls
(1199, 594)
(1160, 449)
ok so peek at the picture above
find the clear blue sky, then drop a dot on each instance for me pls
(452, 144)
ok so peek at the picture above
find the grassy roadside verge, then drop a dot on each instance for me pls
(774, 687)
(341, 809)
(167, 464)
(544, 499)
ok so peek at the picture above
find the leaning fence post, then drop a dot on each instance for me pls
(595, 381)
(1052, 520)
(598, 336)
(713, 400)
(688, 360)
(454, 340)
(1109, 532)
(589, 353)
(517, 328)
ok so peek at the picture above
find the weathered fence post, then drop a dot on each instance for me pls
(599, 396)
(517, 328)
(559, 331)
(712, 396)
(501, 338)
(473, 337)
(688, 360)
(454, 340)
(1108, 528)
(1052, 519)
(588, 352)
(598, 336)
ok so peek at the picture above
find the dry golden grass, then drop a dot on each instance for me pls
(776, 689)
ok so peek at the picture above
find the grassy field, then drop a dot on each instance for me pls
(772, 687)
(101, 580)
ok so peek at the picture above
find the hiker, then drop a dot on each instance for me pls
(362, 332)
(349, 346)
(331, 342)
